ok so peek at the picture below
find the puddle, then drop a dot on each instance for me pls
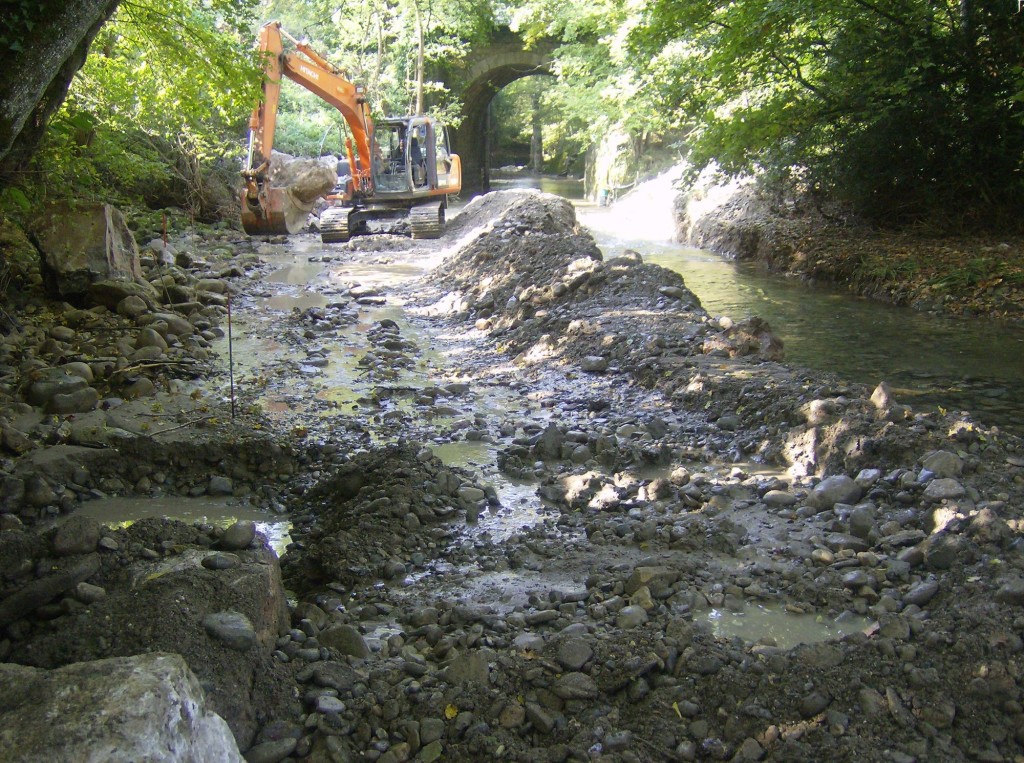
(297, 273)
(775, 626)
(520, 505)
(221, 512)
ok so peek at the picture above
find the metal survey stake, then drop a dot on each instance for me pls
(231, 361)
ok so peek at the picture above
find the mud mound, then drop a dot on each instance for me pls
(515, 240)
(376, 516)
(149, 588)
(542, 211)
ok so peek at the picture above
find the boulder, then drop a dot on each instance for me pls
(838, 488)
(145, 707)
(84, 244)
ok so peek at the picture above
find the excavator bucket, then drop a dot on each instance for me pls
(276, 212)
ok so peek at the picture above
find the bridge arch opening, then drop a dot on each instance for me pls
(486, 79)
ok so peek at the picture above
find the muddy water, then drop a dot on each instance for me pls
(219, 512)
(929, 360)
(774, 626)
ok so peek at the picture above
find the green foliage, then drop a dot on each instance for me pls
(162, 97)
(20, 18)
(376, 44)
(905, 110)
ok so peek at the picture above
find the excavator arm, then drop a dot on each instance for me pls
(265, 209)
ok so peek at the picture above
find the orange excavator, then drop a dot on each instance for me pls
(399, 167)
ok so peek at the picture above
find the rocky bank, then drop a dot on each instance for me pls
(960, 273)
(642, 474)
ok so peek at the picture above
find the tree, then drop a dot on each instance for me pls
(163, 96)
(42, 46)
(906, 110)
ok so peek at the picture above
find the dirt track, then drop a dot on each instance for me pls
(524, 531)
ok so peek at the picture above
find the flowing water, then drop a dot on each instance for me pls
(929, 360)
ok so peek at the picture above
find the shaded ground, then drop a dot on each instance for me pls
(640, 473)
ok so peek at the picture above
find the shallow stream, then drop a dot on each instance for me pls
(929, 360)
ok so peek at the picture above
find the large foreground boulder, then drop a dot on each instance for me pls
(84, 244)
(145, 707)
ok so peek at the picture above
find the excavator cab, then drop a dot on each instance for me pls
(412, 157)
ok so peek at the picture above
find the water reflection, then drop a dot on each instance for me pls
(569, 188)
(776, 627)
(930, 360)
(220, 512)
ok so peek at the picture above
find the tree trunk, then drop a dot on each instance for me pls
(537, 139)
(419, 58)
(52, 40)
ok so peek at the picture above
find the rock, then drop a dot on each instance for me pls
(575, 686)
(141, 387)
(80, 401)
(431, 752)
(271, 752)
(84, 244)
(867, 477)
(469, 668)
(44, 590)
(76, 535)
(894, 626)
(654, 578)
(346, 640)
(174, 323)
(1011, 592)
(150, 338)
(631, 617)
(334, 675)
(814, 703)
(87, 593)
(110, 293)
(78, 368)
(838, 488)
(942, 463)
(594, 364)
(238, 536)
(512, 716)
(921, 593)
(882, 397)
(233, 629)
(221, 561)
(538, 718)
(325, 703)
(132, 306)
(471, 494)
(573, 654)
(779, 498)
(51, 382)
(145, 707)
(942, 550)
(945, 488)
(862, 521)
(431, 729)
(219, 485)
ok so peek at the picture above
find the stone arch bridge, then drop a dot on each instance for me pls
(485, 72)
